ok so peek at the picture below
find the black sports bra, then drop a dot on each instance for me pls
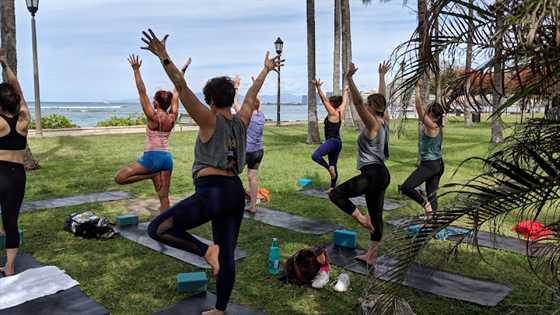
(13, 141)
(332, 130)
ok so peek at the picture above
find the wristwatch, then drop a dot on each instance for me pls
(166, 61)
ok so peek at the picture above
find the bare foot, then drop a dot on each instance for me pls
(211, 257)
(7, 272)
(328, 191)
(364, 258)
(365, 221)
(332, 171)
(429, 212)
(213, 312)
(252, 210)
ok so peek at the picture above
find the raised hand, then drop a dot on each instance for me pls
(272, 63)
(317, 82)
(135, 61)
(2, 56)
(351, 70)
(384, 67)
(236, 81)
(186, 65)
(155, 45)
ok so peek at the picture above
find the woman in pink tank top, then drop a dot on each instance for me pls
(157, 162)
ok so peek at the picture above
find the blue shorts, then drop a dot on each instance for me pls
(157, 161)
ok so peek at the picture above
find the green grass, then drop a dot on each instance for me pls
(129, 279)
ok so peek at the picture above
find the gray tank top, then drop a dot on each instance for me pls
(374, 151)
(225, 149)
(430, 148)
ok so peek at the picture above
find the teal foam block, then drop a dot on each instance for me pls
(127, 219)
(442, 235)
(346, 238)
(192, 282)
(304, 182)
(3, 239)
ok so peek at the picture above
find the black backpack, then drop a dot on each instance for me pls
(88, 225)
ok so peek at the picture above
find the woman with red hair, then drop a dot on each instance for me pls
(157, 162)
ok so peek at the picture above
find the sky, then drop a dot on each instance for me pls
(83, 45)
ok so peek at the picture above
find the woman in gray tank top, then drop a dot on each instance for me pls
(373, 150)
(431, 166)
(219, 158)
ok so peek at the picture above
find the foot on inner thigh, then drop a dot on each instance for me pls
(212, 257)
(364, 220)
(213, 312)
(332, 171)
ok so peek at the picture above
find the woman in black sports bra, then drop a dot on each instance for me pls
(14, 123)
(336, 107)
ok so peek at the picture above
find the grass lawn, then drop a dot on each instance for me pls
(130, 279)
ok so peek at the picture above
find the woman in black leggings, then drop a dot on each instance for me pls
(14, 122)
(373, 150)
(431, 167)
(219, 158)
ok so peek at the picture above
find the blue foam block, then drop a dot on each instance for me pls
(304, 182)
(346, 238)
(442, 235)
(127, 219)
(192, 282)
(3, 239)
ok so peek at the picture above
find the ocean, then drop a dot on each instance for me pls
(88, 114)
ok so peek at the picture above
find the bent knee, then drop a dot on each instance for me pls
(119, 179)
(335, 195)
(153, 230)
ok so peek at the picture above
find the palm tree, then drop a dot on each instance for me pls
(312, 121)
(352, 118)
(8, 17)
(498, 91)
(468, 65)
(516, 44)
(336, 53)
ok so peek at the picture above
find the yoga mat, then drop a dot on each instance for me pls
(69, 302)
(485, 239)
(198, 303)
(139, 234)
(292, 222)
(361, 200)
(426, 279)
(76, 200)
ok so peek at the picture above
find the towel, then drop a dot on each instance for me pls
(33, 284)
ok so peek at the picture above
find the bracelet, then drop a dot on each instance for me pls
(166, 61)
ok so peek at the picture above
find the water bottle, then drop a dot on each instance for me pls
(274, 257)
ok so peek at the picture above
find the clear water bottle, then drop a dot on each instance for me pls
(274, 257)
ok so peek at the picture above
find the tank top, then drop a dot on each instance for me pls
(156, 140)
(225, 149)
(13, 141)
(430, 147)
(332, 130)
(374, 151)
(255, 132)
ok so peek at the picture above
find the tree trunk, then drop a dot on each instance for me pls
(422, 30)
(468, 65)
(351, 118)
(8, 20)
(312, 121)
(336, 54)
(498, 91)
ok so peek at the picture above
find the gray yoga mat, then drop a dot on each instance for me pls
(292, 222)
(485, 239)
(361, 200)
(139, 234)
(426, 279)
(198, 303)
(76, 200)
(69, 302)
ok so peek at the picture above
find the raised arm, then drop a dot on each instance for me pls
(367, 117)
(147, 108)
(236, 102)
(328, 106)
(345, 100)
(24, 115)
(422, 115)
(175, 101)
(250, 103)
(196, 109)
(382, 89)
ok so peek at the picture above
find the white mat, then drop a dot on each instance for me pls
(33, 284)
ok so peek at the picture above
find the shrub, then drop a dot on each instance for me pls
(132, 120)
(54, 121)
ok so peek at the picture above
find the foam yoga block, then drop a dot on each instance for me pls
(127, 219)
(192, 282)
(346, 238)
(304, 182)
(3, 239)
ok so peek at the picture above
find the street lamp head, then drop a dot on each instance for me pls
(279, 44)
(32, 6)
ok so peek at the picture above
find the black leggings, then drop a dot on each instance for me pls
(12, 190)
(372, 182)
(429, 172)
(220, 199)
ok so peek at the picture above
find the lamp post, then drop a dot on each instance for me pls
(33, 7)
(278, 44)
